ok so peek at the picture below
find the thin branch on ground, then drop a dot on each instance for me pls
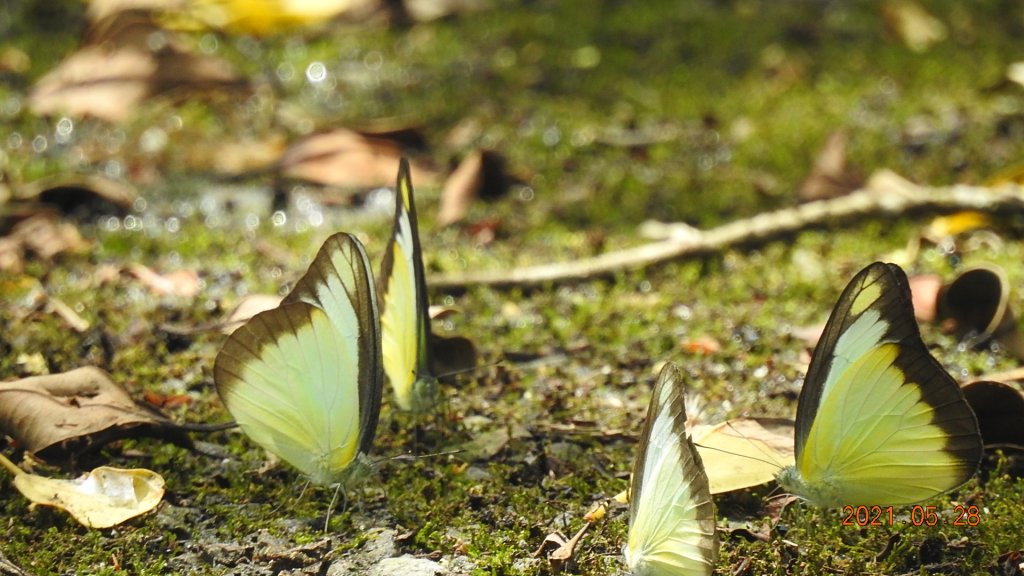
(885, 195)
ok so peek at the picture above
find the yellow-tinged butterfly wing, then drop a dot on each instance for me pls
(671, 515)
(303, 380)
(879, 420)
(340, 282)
(405, 322)
(742, 453)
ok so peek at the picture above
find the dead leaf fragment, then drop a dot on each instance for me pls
(89, 193)
(102, 498)
(43, 235)
(830, 177)
(127, 59)
(924, 293)
(348, 159)
(70, 412)
(1000, 411)
(184, 283)
(481, 174)
(912, 25)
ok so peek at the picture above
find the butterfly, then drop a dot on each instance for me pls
(303, 380)
(404, 319)
(879, 421)
(671, 516)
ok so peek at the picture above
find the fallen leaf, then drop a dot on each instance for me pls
(102, 498)
(266, 17)
(976, 306)
(81, 194)
(184, 283)
(348, 159)
(597, 512)
(481, 174)
(830, 177)
(1000, 411)
(924, 293)
(943, 227)
(561, 558)
(126, 60)
(44, 235)
(702, 345)
(452, 354)
(912, 25)
(72, 412)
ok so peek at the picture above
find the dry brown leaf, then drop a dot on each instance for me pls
(830, 177)
(347, 159)
(96, 81)
(92, 193)
(102, 498)
(184, 283)
(452, 354)
(909, 22)
(1000, 411)
(43, 235)
(481, 174)
(70, 412)
(122, 65)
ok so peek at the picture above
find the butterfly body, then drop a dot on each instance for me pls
(879, 421)
(304, 379)
(405, 322)
(672, 517)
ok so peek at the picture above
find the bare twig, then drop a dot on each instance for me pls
(886, 194)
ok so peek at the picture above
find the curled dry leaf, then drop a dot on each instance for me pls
(348, 159)
(102, 498)
(72, 193)
(452, 354)
(481, 174)
(1000, 411)
(71, 412)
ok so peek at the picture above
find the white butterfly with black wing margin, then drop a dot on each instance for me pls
(879, 420)
(671, 516)
(405, 319)
(303, 380)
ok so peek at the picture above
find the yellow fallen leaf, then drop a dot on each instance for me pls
(102, 498)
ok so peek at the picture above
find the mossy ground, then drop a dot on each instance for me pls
(750, 91)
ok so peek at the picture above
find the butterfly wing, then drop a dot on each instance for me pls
(340, 282)
(405, 323)
(879, 421)
(671, 516)
(303, 379)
